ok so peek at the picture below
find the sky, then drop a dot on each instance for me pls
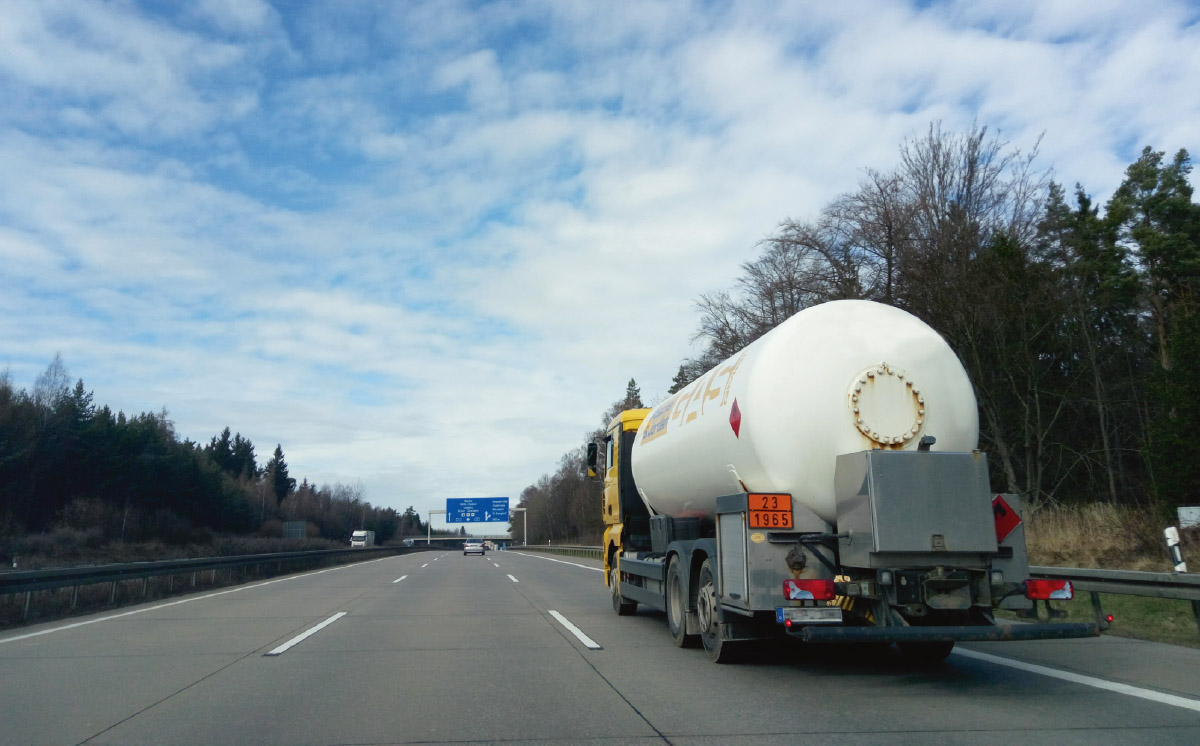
(425, 245)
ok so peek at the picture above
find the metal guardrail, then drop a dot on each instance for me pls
(1176, 585)
(1179, 586)
(28, 581)
(36, 580)
(569, 551)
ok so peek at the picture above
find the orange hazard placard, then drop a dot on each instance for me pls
(770, 511)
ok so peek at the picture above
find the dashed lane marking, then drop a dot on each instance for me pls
(305, 635)
(588, 642)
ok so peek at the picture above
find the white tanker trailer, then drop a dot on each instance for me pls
(823, 484)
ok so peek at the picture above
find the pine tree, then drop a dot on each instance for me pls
(633, 395)
(680, 380)
(242, 463)
(1153, 213)
(277, 473)
(220, 450)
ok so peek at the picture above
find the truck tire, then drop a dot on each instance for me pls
(620, 605)
(925, 653)
(719, 651)
(678, 603)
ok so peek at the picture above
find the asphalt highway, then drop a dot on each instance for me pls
(441, 648)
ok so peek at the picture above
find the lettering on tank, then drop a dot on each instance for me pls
(694, 401)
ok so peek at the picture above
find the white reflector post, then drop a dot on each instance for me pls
(1172, 535)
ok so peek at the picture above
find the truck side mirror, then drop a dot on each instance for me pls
(592, 452)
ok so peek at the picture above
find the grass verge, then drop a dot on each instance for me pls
(1137, 617)
(1116, 538)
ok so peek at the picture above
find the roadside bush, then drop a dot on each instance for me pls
(69, 545)
(169, 527)
(233, 545)
(84, 513)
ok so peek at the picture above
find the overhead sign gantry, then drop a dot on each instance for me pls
(476, 509)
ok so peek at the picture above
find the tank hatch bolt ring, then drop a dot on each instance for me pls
(873, 398)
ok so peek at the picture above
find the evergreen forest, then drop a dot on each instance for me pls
(91, 476)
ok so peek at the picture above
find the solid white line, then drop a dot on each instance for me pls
(1112, 686)
(510, 577)
(181, 601)
(587, 641)
(561, 562)
(397, 580)
(305, 635)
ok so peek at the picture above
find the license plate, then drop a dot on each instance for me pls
(808, 614)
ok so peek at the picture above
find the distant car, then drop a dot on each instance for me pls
(473, 546)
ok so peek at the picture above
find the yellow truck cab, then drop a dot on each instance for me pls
(626, 518)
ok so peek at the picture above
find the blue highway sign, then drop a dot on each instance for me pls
(476, 509)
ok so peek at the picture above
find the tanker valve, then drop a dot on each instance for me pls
(796, 561)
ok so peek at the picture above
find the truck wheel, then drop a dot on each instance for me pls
(620, 605)
(925, 652)
(677, 608)
(719, 651)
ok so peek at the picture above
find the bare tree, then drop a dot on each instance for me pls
(880, 226)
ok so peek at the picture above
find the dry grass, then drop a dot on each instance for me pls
(1103, 536)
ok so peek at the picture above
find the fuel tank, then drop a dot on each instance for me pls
(841, 377)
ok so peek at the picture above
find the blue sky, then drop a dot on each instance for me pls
(424, 245)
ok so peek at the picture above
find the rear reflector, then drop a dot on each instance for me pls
(1049, 590)
(809, 590)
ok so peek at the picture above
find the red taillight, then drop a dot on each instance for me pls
(1049, 590)
(809, 590)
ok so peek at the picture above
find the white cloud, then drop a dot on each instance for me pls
(479, 73)
(139, 76)
(424, 245)
(235, 16)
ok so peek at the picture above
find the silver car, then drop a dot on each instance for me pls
(473, 546)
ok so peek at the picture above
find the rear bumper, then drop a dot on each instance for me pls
(999, 632)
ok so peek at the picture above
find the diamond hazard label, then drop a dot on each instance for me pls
(735, 420)
(1006, 518)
